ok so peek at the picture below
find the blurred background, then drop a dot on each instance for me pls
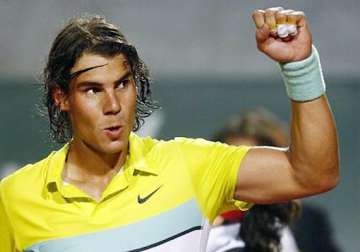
(205, 67)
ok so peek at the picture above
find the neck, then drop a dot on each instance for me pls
(85, 163)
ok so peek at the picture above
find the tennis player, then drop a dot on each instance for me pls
(108, 189)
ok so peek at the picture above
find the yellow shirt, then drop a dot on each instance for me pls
(162, 200)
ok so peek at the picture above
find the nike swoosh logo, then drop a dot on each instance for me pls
(144, 199)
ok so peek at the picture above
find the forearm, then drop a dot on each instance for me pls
(310, 164)
(313, 151)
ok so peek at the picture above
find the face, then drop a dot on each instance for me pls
(101, 102)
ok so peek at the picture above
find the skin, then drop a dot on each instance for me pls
(267, 175)
(238, 140)
(311, 163)
(101, 104)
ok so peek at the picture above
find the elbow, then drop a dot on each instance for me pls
(316, 183)
(329, 183)
(331, 177)
(326, 182)
(333, 180)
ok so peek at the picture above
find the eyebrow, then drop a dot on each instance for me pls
(77, 73)
(95, 83)
(125, 76)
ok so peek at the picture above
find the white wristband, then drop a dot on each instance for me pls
(303, 79)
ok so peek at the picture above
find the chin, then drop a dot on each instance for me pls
(113, 147)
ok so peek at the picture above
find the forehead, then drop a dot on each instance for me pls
(91, 65)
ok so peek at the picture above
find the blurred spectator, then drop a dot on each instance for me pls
(266, 228)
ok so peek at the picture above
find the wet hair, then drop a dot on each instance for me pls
(262, 225)
(90, 34)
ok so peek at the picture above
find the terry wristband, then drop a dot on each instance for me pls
(303, 79)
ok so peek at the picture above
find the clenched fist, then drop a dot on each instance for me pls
(283, 35)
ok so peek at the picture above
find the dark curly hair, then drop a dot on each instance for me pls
(91, 34)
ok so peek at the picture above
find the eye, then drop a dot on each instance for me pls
(92, 90)
(123, 83)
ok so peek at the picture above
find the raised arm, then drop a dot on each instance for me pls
(311, 163)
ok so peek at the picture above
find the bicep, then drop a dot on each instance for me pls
(265, 176)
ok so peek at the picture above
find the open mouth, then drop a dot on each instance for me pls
(113, 132)
(113, 128)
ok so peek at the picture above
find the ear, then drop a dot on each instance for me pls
(60, 99)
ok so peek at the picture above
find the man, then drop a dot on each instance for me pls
(110, 190)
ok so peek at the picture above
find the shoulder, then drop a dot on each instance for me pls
(165, 149)
(25, 178)
(200, 145)
(192, 146)
(193, 141)
(181, 145)
(184, 146)
(150, 144)
(196, 144)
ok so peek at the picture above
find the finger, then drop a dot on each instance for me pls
(270, 19)
(284, 29)
(281, 25)
(299, 18)
(296, 22)
(291, 21)
(292, 18)
(262, 34)
(275, 9)
(262, 30)
(259, 19)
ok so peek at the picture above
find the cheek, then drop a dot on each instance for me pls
(83, 111)
(133, 100)
(130, 99)
(132, 105)
(129, 106)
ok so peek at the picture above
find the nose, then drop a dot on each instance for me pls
(111, 103)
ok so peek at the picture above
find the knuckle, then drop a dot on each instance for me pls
(284, 12)
(268, 13)
(274, 9)
(280, 14)
(257, 13)
(299, 13)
